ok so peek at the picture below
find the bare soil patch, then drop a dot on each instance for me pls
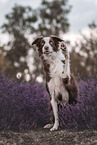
(45, 137)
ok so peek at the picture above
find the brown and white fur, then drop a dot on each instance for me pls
(61, 85)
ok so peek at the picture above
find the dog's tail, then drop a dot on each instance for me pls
(72, 88)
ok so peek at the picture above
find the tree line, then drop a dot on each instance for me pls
(51, 18)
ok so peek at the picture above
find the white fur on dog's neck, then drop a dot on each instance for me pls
(56, 65)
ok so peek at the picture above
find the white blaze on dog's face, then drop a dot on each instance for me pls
(47, 45)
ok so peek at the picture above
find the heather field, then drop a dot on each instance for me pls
(24, 110)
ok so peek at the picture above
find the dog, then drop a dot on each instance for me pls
(60, 83)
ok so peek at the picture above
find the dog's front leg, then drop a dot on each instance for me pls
(66, 73)
(55, 112)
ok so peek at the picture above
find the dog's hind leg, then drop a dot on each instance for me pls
(51, 118)
(51, 124)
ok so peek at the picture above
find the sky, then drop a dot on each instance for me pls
(83, 12)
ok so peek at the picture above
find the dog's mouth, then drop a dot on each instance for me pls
(47, 52)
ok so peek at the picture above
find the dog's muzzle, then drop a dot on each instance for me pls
(47, 52)
(46, 48)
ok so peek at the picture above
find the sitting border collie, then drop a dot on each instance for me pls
(60, 84)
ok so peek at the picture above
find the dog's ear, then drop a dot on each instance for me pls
(56, 38)
(36, 40)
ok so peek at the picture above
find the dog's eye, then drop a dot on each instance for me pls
(42, 43)
(51, 43)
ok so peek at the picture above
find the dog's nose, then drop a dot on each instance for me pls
(46, 47)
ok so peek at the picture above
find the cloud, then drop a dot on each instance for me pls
(94, 1)
(4, 38)
(76, 37)
(32, 3)
(3, 1)
(70, 37)
(83, 13)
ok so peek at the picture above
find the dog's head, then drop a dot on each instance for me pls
(47, 45)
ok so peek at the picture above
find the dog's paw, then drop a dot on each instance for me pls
(54, 128)
(48, 126)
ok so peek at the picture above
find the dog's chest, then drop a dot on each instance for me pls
(56, 71)
(57, 66)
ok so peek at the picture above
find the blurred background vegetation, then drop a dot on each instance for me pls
(21, 61)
